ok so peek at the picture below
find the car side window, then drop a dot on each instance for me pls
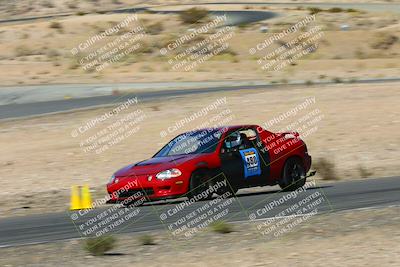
(238, 140)
(231, 142)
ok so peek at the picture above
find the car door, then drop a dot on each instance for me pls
(256, 159)
(242, 162)
(232, 166)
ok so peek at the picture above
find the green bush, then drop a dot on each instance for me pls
(221, 227)
(193, 15)
(97, 246)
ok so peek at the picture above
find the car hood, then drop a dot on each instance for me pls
(153, 165)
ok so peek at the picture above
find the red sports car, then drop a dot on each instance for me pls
(199, 163)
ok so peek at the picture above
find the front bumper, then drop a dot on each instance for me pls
(131, 188)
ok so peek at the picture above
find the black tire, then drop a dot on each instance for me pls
(199, 186)
(294, 175)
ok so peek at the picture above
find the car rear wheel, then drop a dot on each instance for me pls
(294, 175)
(199, 187)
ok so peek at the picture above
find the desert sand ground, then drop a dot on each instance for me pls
(354, 126)
(39, 52)
(352, 238)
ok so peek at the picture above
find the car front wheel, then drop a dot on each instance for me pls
(199, 187)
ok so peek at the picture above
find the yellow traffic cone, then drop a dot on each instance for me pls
(75, 198)
(86, 200)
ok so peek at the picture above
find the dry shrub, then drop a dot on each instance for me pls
(193, 15)
(364, 172)
(384, 40)
(146, 240)
(335, 10)
(155, 28)
(326, 169)
(314, 10)
(55, 25)
(97, 246)
(22, 50)
(221, 227)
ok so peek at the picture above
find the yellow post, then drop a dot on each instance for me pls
(75, 198)
(86, 200)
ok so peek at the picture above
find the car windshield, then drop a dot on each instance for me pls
(196, 142)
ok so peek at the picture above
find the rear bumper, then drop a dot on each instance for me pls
(307, 162)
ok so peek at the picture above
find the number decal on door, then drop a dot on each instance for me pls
(251, 162)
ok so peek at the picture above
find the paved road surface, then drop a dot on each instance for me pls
(338, 196)
(39, 108)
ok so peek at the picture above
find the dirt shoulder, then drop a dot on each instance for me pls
(349, 238)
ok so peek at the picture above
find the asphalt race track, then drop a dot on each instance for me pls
(339, 196)
(46, 107)
(10, 111)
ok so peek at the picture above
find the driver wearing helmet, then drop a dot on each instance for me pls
(235, 141)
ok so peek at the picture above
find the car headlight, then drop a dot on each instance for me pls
(112, 179)
(171, 173)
